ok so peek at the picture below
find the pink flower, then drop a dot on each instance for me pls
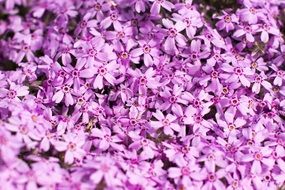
(259, 80)
(65, 92)
(230, 125)
(259, 159)
(248, 31)
(105, 169)
(266, 30)
(279, 76)
(107, 139)
(140, 143)
(250, 14)
(173, 36)
(86, 22)
(148, 50)
(15, 92)
(157, 4)
(227, 22)
(237, 72)
(105, 71)
(72, 145)
(191, 22)
(167, 122)
(112, 19)
(172, 98)
(185, 171)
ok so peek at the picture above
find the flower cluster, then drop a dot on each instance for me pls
(142, 94)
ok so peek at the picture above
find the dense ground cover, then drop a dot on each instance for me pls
(142, 94)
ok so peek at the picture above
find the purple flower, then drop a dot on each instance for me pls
(134, 94)
(227, 22)
(173, 36)
(266, 30)
(105, 71)
(259, 81)
(148, 50)
(107, 139)
(237, 73)
(246, 31)
(157, 4)
(259, 158)
(167, 122)
(72, 145)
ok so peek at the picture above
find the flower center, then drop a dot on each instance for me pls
(185, 149)
(250, 142)
(235, 184)
(252, 10)
(185, 171)
(187, 21)
(146, 48)
(275, 155)
(234, 101)
(143, 80)
(211, 157)
(238, 71)
(144, 142)
(209, 36)
(34, 118)
(102, 71)
(108, 138)
(133, 121)
(11, 94)
(165, 122)
(194, 55)
(267, 178)
(75, 73)
(214, 74)
(91, 52)
(172, 99)
(280, 142)
(97, 7)
(270, 114)
(280, 73)
(124, 55)
(254, 65)
(66, 89)
(134, 22)
(228, 19)
(61, 73)
(217, 56)
(83, 109)
(23, 129)
(25, 47)
(196, 103)
(120, 34)
(258, 156)
(71, 146)
(212, 177)
(105, 168)
(258, 79)
(172, 32)
(114, 16)
(198, 118)
(248, 29)
(231, 126)
(225, 90)
(83, 24)
(81, 100)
